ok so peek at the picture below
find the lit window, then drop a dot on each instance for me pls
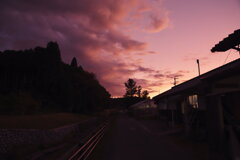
(193, 101)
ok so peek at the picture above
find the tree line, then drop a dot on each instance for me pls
(41, 76)
(133, 90)
(133, 94)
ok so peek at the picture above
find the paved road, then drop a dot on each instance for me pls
(128, 139)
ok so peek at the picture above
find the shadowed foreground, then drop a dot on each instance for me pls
(128, 139)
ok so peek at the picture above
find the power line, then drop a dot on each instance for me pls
(227, 57)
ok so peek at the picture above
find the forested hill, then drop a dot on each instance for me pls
(41, 74)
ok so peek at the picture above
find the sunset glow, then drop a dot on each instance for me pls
(151, 41)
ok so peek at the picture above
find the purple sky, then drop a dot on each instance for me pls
(151, 41)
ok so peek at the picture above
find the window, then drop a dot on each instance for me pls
(193, 101)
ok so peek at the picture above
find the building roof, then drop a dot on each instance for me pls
(229, 42)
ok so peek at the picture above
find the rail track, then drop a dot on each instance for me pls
(86, 149)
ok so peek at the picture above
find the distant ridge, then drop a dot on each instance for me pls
(41, 72)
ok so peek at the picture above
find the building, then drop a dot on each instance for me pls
(146, 108)
(209, 105)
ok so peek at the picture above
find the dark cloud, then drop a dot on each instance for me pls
(145, 69)
(149, 84)
(177, 74)
(164, 75)
(100, 14)
(87, 29)
(158, 75)
(143, 53)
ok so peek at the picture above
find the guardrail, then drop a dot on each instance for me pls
(86, 149)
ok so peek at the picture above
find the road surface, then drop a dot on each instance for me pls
(129, 139)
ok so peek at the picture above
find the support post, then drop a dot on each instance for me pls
(215, 127)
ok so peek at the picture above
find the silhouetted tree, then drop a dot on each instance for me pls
(52, 47)
(145, 94)
(131, 88)
(74, 62)
(139, 90)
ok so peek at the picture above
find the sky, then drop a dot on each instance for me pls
(151, 41)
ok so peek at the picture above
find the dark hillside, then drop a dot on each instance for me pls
(41, 74)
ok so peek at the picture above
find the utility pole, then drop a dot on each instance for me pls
(198, 67)
(175, 81)
(172, 110)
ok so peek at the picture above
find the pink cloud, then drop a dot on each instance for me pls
(143, 53)
(90, 30)
(157, 24)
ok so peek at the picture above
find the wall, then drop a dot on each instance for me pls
(10, 138)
